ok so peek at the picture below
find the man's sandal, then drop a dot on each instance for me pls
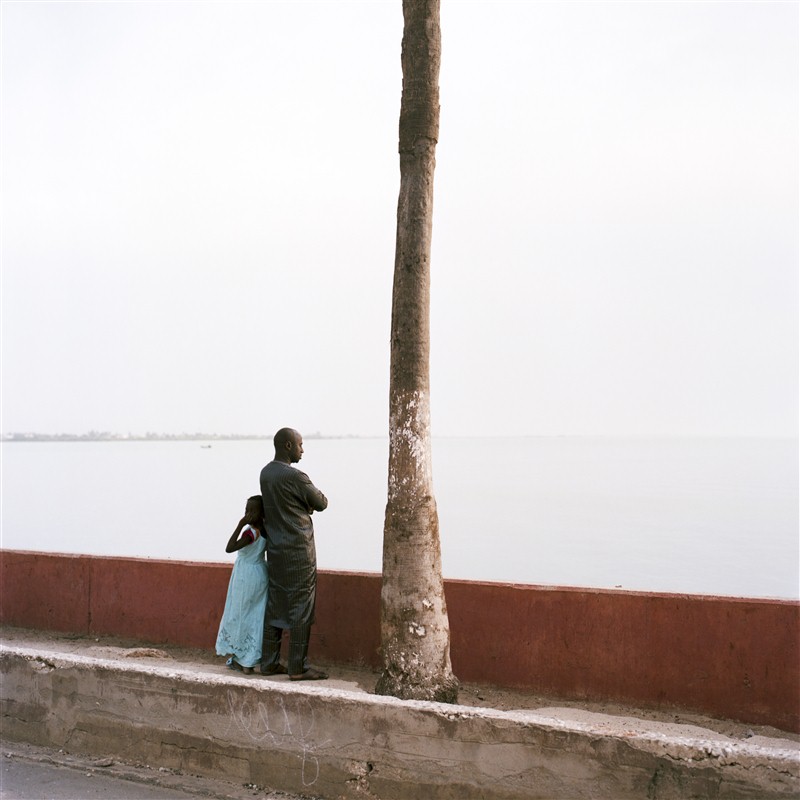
(310, 675)
(275, 669)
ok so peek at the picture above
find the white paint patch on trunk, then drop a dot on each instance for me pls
(409, 432)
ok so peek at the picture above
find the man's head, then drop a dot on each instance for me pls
(288, 445)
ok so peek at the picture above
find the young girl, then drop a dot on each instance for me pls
(241, 630)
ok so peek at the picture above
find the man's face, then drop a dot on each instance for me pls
(296, 451)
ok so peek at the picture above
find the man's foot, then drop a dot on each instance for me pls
(233, 664)
(275, 669)
(310, 674)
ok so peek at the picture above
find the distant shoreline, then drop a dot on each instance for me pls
(93, 436)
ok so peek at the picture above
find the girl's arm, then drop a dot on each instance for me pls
(236, 542)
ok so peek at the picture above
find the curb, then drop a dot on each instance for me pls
(334, 743)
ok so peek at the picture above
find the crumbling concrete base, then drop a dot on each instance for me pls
(332, 743)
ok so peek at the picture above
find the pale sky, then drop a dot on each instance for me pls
(199, 203)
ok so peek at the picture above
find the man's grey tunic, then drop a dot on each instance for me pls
(289, 497)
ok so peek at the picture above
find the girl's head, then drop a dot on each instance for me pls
(254, 510)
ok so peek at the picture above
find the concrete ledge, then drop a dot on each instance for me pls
(336, 743)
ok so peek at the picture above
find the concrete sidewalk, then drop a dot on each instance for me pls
(334, 739)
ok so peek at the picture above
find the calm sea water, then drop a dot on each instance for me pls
(701, 516)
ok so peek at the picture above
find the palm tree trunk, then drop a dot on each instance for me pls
(415, 633)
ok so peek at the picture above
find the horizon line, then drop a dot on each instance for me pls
(99, 436)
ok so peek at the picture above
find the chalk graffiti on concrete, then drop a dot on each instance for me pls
(289, 724)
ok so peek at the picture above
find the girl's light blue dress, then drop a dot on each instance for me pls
(241, 630)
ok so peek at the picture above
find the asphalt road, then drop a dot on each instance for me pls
(28, 772)
(25, 780)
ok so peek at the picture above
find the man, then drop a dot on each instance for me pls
(289, 499)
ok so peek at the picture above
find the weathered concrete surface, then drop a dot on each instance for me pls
(335, 743)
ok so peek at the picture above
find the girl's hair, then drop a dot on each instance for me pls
(256, 498)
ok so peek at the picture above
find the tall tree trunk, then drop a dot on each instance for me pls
(415, 633)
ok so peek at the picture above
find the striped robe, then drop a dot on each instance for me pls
(289, 498)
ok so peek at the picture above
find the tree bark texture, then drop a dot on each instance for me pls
(415, 633)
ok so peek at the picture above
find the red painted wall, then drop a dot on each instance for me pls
(729, 657)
